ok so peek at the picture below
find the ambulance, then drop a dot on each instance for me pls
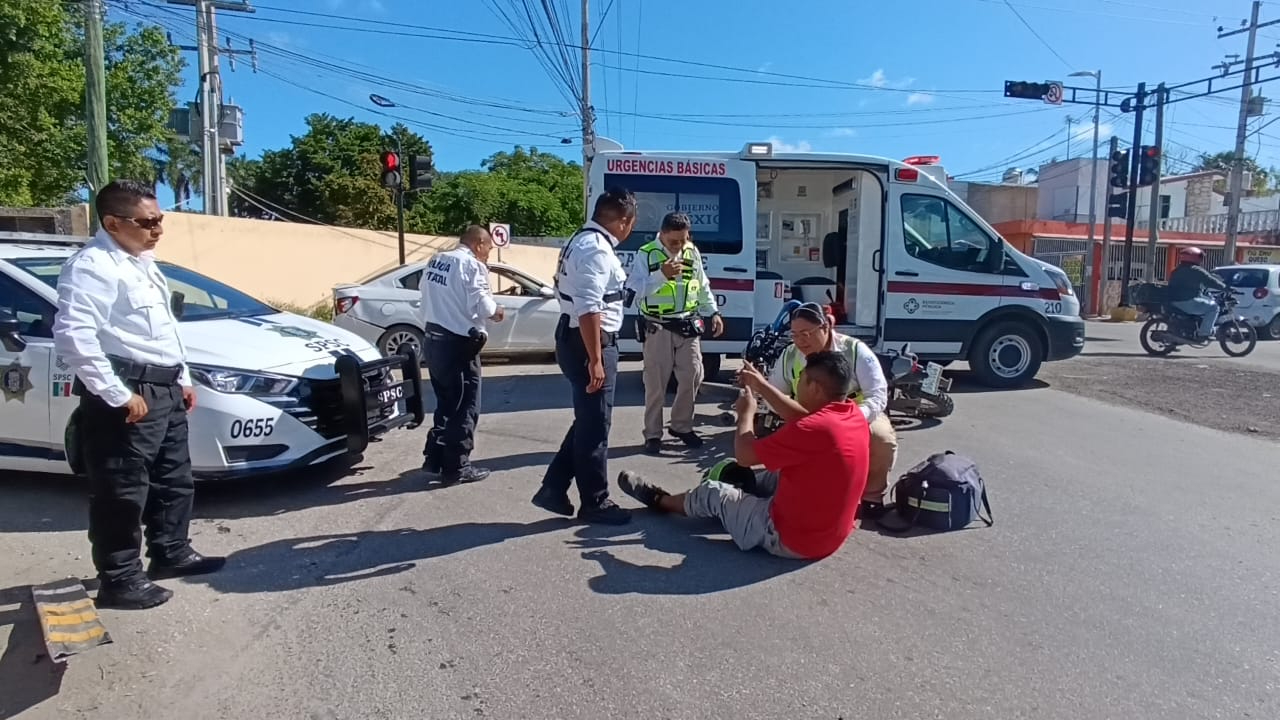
(897, 256)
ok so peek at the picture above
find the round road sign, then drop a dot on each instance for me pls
(501, 234)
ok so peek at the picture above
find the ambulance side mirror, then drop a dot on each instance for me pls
(11, 332)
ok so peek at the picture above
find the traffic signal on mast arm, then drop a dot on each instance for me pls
(420, 172)
(1120, 169)
(1024, 90)
(391, 170)
(1148, 165)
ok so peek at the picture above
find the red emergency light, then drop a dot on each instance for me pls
(923, 160)
(906, 175)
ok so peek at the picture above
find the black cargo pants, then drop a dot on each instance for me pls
(453, 364)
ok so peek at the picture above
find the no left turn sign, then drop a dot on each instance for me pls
(501, 234)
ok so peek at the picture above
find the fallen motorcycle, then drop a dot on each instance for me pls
(915, 390)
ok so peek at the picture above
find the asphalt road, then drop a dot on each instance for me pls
(1131, 573)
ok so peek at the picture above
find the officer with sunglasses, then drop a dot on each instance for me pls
(116, 328)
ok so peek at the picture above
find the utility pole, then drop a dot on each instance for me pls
(95, 101)
(1106, 237)
(1070, 122)
(1237, 164)
(1090, 300)
(588, 113)
(1153, 221)
(1135, 157)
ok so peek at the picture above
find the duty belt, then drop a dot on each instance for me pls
(132, 371)
(612, 297)
(607, 338)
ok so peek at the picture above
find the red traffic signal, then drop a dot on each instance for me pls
(1148, 165)
(390, 161)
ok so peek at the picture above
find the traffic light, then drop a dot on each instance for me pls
(391, 170)
(1025, 90)
(420, 172)
(1148, 165)
(1120, 169)
(1118, 205)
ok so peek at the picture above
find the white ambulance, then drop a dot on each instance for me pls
(897, 255)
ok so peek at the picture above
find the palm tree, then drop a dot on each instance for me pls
(178, 166)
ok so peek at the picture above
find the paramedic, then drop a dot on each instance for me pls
(456, 302)
(671, 287)
(115, 327)
(589, 282)
(1186, 289)
(812, 329)
(803, 503)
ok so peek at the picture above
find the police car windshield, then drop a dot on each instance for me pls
(203, 298)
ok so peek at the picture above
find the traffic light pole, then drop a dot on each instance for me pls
(1106, 235)
(1140, 100)
(1153, 219)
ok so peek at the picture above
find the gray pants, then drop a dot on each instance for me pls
(665, 351)
(745, 517)
(1203, 307)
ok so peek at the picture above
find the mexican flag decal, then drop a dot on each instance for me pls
(61, 389)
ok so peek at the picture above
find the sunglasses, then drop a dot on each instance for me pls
(144, 223)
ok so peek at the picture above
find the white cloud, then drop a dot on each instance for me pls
(765, 67)
(877, 79)
(1084, 131)
(919, 98)
(782, 146)
(842, 132)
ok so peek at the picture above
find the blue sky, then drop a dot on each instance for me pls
(915, 76)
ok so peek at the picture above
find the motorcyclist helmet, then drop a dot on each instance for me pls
(1191, 254)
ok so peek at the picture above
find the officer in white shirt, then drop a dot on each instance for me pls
(589, 282)
(456, 302)
(115, 327)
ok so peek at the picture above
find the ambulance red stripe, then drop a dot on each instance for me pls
(733, 284)
(928, 288)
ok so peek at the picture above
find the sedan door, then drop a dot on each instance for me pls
(531, 312)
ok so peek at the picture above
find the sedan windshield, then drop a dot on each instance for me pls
(203, 298)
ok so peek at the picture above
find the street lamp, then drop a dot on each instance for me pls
(1093, 188)
(399, 190)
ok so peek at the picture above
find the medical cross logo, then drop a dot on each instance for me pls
(911, 306)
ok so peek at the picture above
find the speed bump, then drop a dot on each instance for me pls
(68, 619)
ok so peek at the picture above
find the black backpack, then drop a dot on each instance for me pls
(944, 492)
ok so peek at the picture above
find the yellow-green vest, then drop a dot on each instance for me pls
(674, 297)
(793, 360)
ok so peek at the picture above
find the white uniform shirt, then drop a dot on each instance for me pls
(455, 291)
(590, 278)
(866, 367)
(112, 303)
(645, 283)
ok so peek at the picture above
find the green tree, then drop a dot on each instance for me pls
(329, 174)
(1264, 179)
(43, 141)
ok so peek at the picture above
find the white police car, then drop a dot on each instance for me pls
(275, 391)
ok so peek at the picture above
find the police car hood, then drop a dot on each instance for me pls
(283, 343)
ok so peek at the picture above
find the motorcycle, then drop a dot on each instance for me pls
(1168, 328)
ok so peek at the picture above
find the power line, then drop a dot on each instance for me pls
(1044, 42)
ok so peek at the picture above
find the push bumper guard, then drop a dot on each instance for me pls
(371, 395)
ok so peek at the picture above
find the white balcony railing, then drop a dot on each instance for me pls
(1258, 221)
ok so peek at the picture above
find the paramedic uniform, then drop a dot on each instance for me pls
(668, 310)
(870, 392)
(589, 279)
(455, 303)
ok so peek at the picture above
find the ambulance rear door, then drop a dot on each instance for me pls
(719, 195)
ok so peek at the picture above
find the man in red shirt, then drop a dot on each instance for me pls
(802, 504)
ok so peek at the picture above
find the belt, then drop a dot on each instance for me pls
(607, 298)
(133, 371)
(607, 338)
(442, 330)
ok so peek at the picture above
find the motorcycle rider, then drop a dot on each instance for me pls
(812, 330)
(1186, 289)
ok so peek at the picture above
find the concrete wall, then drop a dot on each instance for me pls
(1002, 203)
(73, 220)
(299, 263)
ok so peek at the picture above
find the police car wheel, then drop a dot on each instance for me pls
(397, 335)
(1006, 355)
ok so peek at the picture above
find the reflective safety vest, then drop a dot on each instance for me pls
(793, 360)
(674, 297)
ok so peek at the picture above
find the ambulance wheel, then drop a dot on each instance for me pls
(1006, 355)
(397, 335)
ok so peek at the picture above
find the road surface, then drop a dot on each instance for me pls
(1131, 573)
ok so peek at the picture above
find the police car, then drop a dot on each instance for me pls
(275, 391)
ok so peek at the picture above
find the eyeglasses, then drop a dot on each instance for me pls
(144, 223)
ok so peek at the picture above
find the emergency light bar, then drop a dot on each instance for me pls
(923, 160)
(764, 149)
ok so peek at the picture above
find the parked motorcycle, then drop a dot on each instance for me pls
(1167, 328)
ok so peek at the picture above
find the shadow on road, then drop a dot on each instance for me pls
(709, 564)
(963, 382)
(323, 560)
(43, 503)
(27, 676)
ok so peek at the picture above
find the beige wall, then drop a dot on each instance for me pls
(299, 263)
(1002, 203)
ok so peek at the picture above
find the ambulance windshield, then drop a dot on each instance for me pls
(713, 205)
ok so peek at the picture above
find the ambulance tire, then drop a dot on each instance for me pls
(1006, 355)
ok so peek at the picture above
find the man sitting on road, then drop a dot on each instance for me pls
(1186, 289)
(802, 505)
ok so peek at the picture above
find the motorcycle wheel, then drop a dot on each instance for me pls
(1151, 346)
(934, 406)
(1237, 338)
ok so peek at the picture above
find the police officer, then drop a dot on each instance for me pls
(115, 327)
(589, 282)
(674, 296)
(456, 302)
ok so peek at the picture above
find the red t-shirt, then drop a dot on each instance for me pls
(822, 461)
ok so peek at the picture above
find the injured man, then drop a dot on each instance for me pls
(802, 503)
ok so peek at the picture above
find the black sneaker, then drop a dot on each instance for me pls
(431, 466)
(637, 487)
(136, 594)
(690, 439)
(187, 563)
(871, 510)
(653, 446)
(606, 513)
(468, 474)
(553, 502)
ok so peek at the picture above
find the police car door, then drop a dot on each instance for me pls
(26, 353)
(719, 196)
(942, 269)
